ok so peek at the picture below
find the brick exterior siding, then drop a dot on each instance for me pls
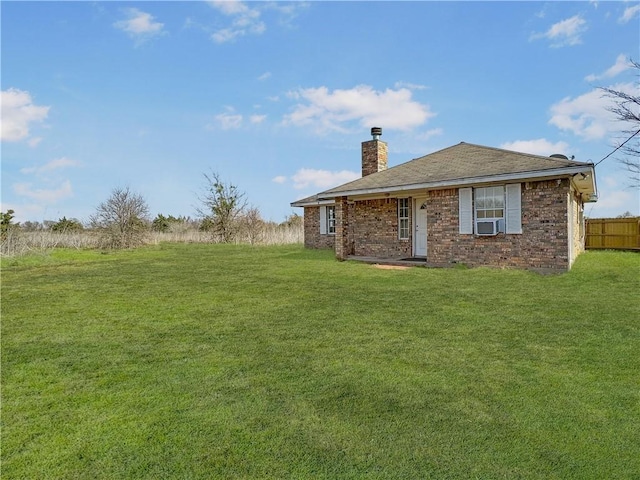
(543, 244)
(547, 208)
(374, 157)
(312, 237)
(374, 229)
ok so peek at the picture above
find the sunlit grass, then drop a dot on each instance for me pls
(217, 361)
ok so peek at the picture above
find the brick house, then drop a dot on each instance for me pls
(466, 204)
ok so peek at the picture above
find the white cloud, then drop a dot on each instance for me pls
(245, 20)
(139, 25)
(564, 33)
(229, 7)
(306, 177)
(34, 142)
(622, 64)
(614, 198)
(410, 86)
(327, 111)
(288, 11)
(25, 211)
(264, 76)
(541, 146)
(610, 181)
(43, 195)
(228, 120)
(429, 134)
(629, 14)
(279, 179)
(56, 164)
(257, 118)
(18, 112)
(587, 115)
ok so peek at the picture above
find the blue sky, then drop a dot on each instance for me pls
(277, 96)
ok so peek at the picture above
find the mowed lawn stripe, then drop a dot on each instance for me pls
(218, 361)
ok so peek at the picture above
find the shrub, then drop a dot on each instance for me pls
(67, 225)
(122, 219)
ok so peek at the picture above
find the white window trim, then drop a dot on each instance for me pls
(501, 219)
(465, 211)
(408, 229)
(325, 220)
(329, 219)
(512, 210)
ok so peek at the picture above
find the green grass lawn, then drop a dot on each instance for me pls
(204, 361)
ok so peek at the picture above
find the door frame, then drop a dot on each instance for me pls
(417, 203)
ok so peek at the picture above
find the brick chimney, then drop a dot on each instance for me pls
(374, 154)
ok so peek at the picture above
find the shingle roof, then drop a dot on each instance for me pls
(462, 162)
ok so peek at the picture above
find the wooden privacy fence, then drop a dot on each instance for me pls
(613, 233)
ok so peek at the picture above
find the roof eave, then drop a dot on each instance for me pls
(312, 203)
(459, 182)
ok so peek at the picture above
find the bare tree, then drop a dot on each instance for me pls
(251, 226)
(222, 205)
(123, 219)
(627, 109)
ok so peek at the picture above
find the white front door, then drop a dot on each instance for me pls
(420, 230)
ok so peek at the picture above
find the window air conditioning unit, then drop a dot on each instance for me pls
(487, 227)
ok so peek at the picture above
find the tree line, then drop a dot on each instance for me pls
(123, 219)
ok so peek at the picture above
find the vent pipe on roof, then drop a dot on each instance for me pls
(376, 132)
(560, 156)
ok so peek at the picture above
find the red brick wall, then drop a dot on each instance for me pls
(342, 244)
(543, 244)
(374, 157)
(372, 229)
(312, 237)
(374, 232)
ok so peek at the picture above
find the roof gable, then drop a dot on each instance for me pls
(462, 161)
(458, 165)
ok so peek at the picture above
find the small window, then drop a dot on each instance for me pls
(331, 220)
(403, 218)
(489, 203)
(486, 210)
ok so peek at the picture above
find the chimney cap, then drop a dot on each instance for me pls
(376, 132)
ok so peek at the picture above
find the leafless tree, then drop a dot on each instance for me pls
(123, 219)
(251, 226)
(627, 109)
(222, 205)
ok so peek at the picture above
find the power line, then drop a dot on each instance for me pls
(617, 148)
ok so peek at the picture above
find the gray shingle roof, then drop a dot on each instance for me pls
(462, 162)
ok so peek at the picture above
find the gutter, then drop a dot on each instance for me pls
(537, 175)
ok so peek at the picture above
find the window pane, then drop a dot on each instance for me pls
(404, 228)
(489, 202)
(331, 219)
